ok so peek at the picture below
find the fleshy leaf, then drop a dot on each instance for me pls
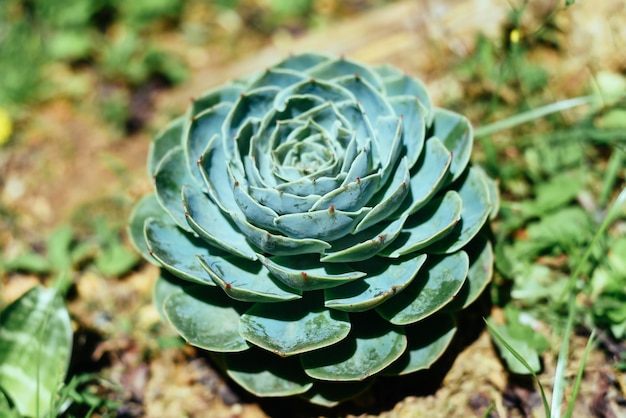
(333, 69)
(265, 374)
(246, 280)
(455, 132)
(175, 250)
(277, 77)
(369, 348)
(307, 273)
(479, 274)
(147, 207)
(374, 244)
(206, 318)
(392, 198)
(330, 394)
(208, 221)
(165, 285)
(475, 211)
(302, 62)
(413, 116)
(281, 202)
(428, 225)
(323, 90)
(428, 339)
(326, 225)
(371, 100)
(352, 196)
(293, 327)
(432, 170)
(253, 104)
(278, 244)
(164, 141)
(212, 164)
(171, 175)
(201, 129)
(436, 285)
(383, 281)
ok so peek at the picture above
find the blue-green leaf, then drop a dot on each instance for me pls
(294, 327)
(326, 225)
(455, 132)
(207, 318)
(147, 207)
(168, 138)
(246, 280)
(208, 221)
(430, 172)
(435, 286)
(171, 175)
(428, 225)
(265, 374)
(307, 273)
(176, 250)
(427, 340)
(368, 349)
(476, 209)
(383, 281)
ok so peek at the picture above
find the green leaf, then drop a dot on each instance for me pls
(455, 132)
(59, 251)
(265, 374)
(518, 354)
(35, 349)
(294, 327)
(435, 286)
(371, 346)
(175, 250)
(31, 262)
(246, 280)
(170, 137)
(430, 172)
(147, 207)
(166, 285)
(427, 340)
(115, 260)
(383, 281)
(330, 394)
(478, 276)
(476, 209)
(206, 318)
(428, 225)
(208, 221)
(306, 272)
(171, 175)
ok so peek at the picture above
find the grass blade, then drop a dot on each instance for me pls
(521, 359)
(579, 375)
(536, 113)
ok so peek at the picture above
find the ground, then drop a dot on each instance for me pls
(66, 165)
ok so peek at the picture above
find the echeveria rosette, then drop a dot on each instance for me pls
(317, 224)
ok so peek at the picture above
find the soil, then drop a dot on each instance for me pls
(65, 163)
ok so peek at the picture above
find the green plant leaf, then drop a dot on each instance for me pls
(35, 349)
(427, 340)
(307, 326)
(367, 350)
(266, 374)
(435, 286)
(207, 318)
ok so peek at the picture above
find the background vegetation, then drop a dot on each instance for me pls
(561, 234)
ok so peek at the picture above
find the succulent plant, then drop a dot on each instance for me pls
(317, 224)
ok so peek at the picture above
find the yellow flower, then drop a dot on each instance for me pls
(6, 126)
